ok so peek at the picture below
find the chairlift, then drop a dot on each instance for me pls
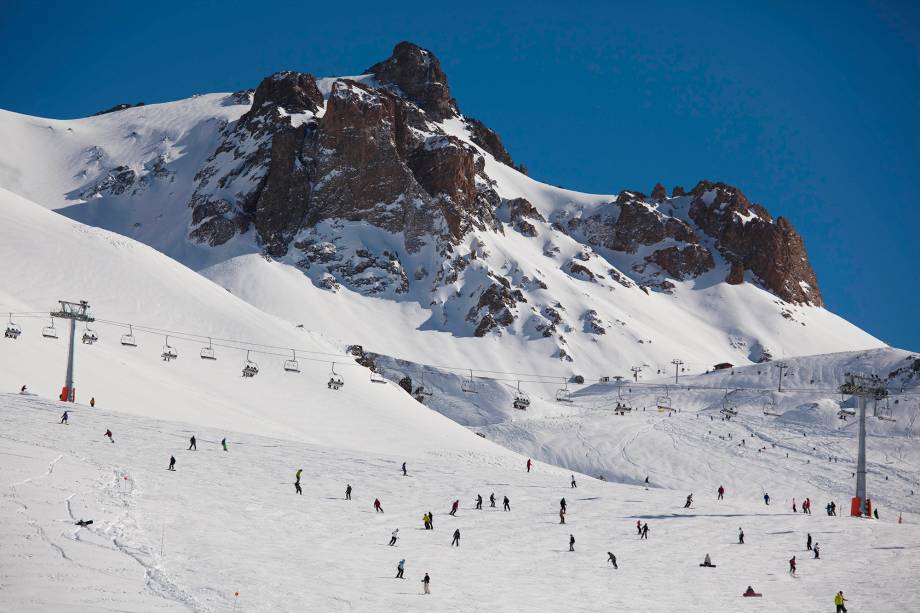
(664, 402)
(292, 365)
(335, 379)
(469, 385)
(521, 399)
(845, 414)
(207, 353)
(422, 392)
(12, 329)
(769, 407)
(169, 353)
(563, 394)
(250, 368)
(884, 412)
(622, 409)
(128, 339)
(89, 335)
(50, 331)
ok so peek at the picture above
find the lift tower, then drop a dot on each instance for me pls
(74, 311)
(862, 386)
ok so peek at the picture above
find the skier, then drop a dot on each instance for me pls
(838, 602)
(377, 507)
(454, 507)
(574, 485)
(792, 566)
(689, 501)
(297, 488)
(507, 504)
(479, 501)
(399, 569)
(425, 583)
(394, 537)
(529, 464)
(639, 527)
(22, 390)
(807, 505)
(431, 519)
(827, 508)
(721, 493)
(492, 500)
(613, 560)
(223, 443)
(562, 505)
(348, 491)
(297, 475)
(108, 433)
(64, 418)
(766, 499)
(794, 508)
(644, 531)
(456, 540)
(816, 551)
(92, 402)
(192, 444)
(740, 536)
(405, 474)
(646, 480)
(172, 463)
(561, 516)
(707, 562)
(808, 542)
(571, 543)
(426, 521)
(875, 512)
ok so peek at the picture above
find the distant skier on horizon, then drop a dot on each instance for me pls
(689, 501)
(574, 485)
(766, 499)
(644, 532)
(223, 443)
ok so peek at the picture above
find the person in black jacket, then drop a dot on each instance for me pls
(479, 501)
(492, 500)
(172, 463)
(507, 504)
(425, 583)
(192, 444)
(456, 540)
(612, 559)
(571, 543)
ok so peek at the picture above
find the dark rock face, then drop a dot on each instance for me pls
(637, 224)
(117, 107)
(519, 211)
(295, 92)
(496, 307)
(489, 140)
(417, 73)
(659, 193)
(748, 237)
(683, 262)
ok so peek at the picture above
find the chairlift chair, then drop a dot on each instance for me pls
(335, 379)
(563, 394)
(128, 339)
(292, 365)
(169, 352)
(769, 407)
(469, 385)
(521, 399)
(12, 329)
(207, 353)
(664, 402)
(89, 335)
(50, 331)
(845, 414)
(422, 392)
(250, 368)
(884, 413)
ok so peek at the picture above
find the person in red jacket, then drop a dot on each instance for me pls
(721, 492)
(454, 507)
(108, 433)
(529, 464)
(377, 507)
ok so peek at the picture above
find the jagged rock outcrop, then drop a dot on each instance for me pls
(294, 92)
(496, 307)
(685, 262)
(489, 140)
(749, 238)
(118, 107)
(659, 193)
(417, 73)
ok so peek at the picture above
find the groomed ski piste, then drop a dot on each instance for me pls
(227, 523)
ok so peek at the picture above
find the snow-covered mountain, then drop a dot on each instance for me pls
(371, 208)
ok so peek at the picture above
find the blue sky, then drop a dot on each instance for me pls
(812, 108)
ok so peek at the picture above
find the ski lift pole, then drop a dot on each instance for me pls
(73, 311)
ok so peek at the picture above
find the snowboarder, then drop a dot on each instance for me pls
(377, 507)
(297, 475)
(816, 551)
(492, 500)
(574, 485)
(92, 402)
(108, 433)
(348, 491)
(529, 464)
(479, 501)
(644, 531)
(689, 501)
(507, 504)
(613, 560)
(405, 474)
(766, 499)
(740, 536)
(456, 540)
(192, 444)
(571, 543)
(399, 569)
(172, 463)
(808, 542)
(297, 488)
(425, 583)
(454, 507)
(838, 602)
(64, 418)
(394, 537)
(707, 562)
(223, 443)
(721, 493)
(792, 566)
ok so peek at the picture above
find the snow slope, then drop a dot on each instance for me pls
(229, 523)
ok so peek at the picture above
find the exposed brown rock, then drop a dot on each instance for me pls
(659, 193)
(683, 262)
(295, 92)
(417, 73)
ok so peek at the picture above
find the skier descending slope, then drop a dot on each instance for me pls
(405, 474)
(348, 491)
(394, 537)
(223, 443)
(172, 463)
(507, 504)
(838, 603)
(192, 444)
(571, 543)
(377, 507)
(400, 568)
(456, 540)
(454, 507)
(64, 418)
(644, 531)
(479, 501)
(108, 433)
(740, 536)
(612, 559)
(689, 501)
(792, 566)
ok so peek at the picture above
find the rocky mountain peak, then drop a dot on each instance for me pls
(295, 92)
(418, 74)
